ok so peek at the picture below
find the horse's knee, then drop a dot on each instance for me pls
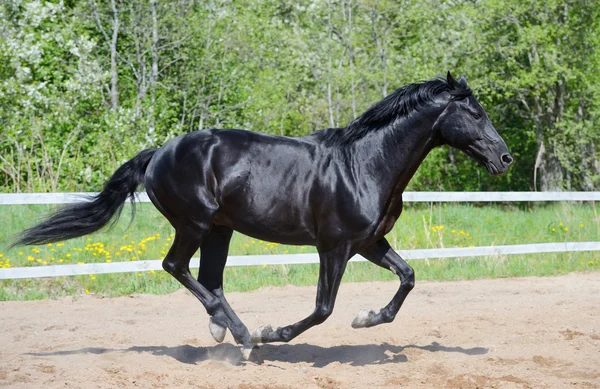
(408, 281)
(321, 314)
(168, 266)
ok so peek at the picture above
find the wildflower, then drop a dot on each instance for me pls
(553, 229)
(87, 291)
(80, 263)
(30, 258)
(454, 231)
(88, 239)
(50, 244)
(61, 260)
(139, 274)
(133, 258)
(108, 261)
(286, 251)
(152, 271)
(581, 225)
(20, 253)
(591, 262)
(560, 224)
(566, 228)
(68, 255)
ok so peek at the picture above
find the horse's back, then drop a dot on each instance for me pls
(245, 180)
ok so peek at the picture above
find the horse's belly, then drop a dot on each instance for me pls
(281, 226)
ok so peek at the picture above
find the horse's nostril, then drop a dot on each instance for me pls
(507, 159)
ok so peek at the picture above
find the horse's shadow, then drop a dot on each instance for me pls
(355, 355)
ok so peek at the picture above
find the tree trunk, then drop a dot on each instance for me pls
(114, 76)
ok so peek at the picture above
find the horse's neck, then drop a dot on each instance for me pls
(392, 154)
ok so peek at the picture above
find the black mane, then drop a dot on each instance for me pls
(399, 103)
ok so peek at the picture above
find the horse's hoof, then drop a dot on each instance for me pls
(217, 331)
(260, 334)
(252, 353)
(364, 318)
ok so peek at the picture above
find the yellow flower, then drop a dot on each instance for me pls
(88, 239)
(20, 253)
(286, 251)
(49, 244)
(108, 260)
(30, 258)
(566, 228)
(454, 231)
(265, 266)
(61, 260)
(68, 255)
(560, 224)
(87, 291)
(80, 263)
(591, 262)
(553, 229)
(139, 274)
(133, 258)
(581, 225)
(152, 271)
(93, 278)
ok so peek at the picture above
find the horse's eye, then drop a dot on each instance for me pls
(476, 115)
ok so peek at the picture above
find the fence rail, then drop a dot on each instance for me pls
(289, 259)
(292, 259)
(412, 197)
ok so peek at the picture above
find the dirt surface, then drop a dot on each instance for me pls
(511, 333)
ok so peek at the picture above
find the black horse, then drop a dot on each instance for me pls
(339, 189)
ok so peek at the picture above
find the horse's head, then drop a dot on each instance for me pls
(464, 125)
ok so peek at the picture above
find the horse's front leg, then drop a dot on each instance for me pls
(332, 266)
(380, 253)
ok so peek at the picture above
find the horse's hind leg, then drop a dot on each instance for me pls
(381, 254)
(213, 256)
(177, 262)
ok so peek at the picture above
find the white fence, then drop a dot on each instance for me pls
(409, 197)
(288, 259)
(292, 259)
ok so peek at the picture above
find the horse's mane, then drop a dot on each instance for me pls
(401, 102)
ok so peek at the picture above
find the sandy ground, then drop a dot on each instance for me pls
(512, 333)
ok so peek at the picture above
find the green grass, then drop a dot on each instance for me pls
(421, 226)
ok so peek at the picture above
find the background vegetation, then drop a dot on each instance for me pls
(86, 84)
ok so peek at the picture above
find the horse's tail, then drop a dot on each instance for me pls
(84, 218)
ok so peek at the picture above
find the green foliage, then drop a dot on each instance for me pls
(290, 68)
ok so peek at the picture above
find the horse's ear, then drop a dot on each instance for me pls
(451, 81)
(463, 81)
